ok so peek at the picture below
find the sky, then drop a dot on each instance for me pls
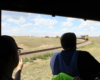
(32, 24)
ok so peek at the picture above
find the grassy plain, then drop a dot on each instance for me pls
(93, 48)
(36, 43)
(40, 69)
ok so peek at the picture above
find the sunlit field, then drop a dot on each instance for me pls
(40, 69)
(93, 48)
(36, 43)
(26, 27)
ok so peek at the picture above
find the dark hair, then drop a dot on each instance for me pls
(68, 40)
(8, 49)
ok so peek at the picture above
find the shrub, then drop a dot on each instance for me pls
(25, 60)
(33, 58)
(41, 56)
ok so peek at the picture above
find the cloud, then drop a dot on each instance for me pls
(26, 25)
(66, 24)
(84, 25)
(88, 25)
(15, 30)
(16, 17)
(85, 29)
(64, 29)
(13, 14)
(97, 23)
(4, 24)
(33, 15)
(51, 27)
(87, 32)
(92, 28)
(70, 19)
(74, 28)
(20, 20)
(6, 15)
(45, 22)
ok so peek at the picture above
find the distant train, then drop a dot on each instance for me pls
(46, 36)
(86, 37)
(57, 37)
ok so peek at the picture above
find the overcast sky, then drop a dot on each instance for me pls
(29, 24)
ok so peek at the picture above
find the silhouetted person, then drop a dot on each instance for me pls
(9, 58)
(74, 62)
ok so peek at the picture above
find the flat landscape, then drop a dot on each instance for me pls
(36, 43)
(40, 69)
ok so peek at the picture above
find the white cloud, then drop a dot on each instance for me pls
(20, 20)
(64, 29)
(18, 29)
(33, 15)
(16, 17)
(15, 29)
(84, 24)
(12, 14)
(85, 29)
(97, 23)
(26, 25)
(66, 24)
(92, 28)
(90, 33)
(51, 27)
(74, 28)
(88, 25)
(89, 22)
(70, 19)
(45, 22)
(4, 24)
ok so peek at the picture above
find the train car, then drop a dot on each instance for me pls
(57, 37)
(85, 37)
(46, 36)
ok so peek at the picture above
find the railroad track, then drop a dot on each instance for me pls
(37, 51)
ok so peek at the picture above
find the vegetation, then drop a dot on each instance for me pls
(36, 43)
(40, 69)
(93, 48)
(40, 56)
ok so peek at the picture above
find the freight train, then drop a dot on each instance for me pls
(86, 37)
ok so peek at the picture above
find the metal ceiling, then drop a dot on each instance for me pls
(72, 8)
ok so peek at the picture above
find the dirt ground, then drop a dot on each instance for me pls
(51, 51)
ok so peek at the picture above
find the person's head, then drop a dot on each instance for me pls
(9, 57)
(68, 40)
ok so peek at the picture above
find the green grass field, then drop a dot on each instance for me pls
(36, 43)
(40, 69)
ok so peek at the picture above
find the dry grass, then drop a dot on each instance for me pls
(36, 43)
(40, 70)
(94, 48)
